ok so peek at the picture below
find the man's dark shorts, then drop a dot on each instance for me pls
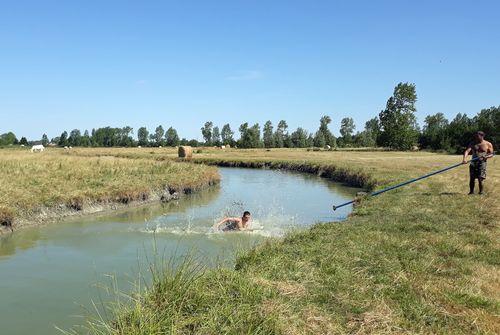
(477, 169)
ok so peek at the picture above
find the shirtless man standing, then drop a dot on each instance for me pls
(242, 223)
(477, 169)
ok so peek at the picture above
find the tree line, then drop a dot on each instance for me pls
(395, 127)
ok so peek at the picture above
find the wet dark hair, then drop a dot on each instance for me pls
(480, 133)
(245, 213)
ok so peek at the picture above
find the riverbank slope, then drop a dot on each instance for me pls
(43, 187)
(421, 259)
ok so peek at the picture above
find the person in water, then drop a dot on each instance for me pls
(232, 224)
(482, 150)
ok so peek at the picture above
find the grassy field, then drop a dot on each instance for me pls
(422, 259)
(32, 183)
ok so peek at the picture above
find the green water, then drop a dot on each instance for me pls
(50, 275)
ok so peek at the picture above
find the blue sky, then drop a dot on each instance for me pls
(85, 64)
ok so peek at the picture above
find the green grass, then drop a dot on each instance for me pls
(422, 259)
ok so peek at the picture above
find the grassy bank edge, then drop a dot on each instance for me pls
(351, 176)
(79, 206)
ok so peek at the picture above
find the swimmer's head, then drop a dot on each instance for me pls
(246, 216)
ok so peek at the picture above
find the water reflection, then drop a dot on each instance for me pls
(22, 240)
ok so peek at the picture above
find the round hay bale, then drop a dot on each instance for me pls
(185, 151)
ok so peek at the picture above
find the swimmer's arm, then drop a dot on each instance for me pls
(221, 222)
(225, 220)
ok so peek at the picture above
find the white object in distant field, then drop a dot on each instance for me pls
(37, 148)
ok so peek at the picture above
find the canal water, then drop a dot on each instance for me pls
(51, 276)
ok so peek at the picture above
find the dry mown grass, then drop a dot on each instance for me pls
(30, 181)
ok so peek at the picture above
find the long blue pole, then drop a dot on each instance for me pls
(407, 182)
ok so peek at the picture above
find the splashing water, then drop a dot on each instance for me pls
(267, 221)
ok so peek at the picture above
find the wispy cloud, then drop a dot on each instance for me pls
(246, 75)
(141, 82)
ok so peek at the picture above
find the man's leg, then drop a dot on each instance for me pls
(471, 185)
(480, 182)
(482, 176)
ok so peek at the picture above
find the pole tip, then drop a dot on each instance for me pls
(334, 207)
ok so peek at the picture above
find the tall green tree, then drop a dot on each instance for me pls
(347, 129)
(8, 138)
(23, 141)
(298, 138)
(158, 135)
(216, 140)
(372, 129)
(125, 135)
(171, 137)
(45, 140)
(319, 139)
(365, 139)
(281, 134)
(249, 136)
(488, 120)
(325, 131)
(93, 138)
(244, 141)
(142, 136)
(398, 120)
(310, 140)
(63, 139)
(268, 135)
(86, 139)
(75, 137)
(206, 131)
(111, 137)
(256, 140)
(435, 132)
(460, 131)
(227, 135)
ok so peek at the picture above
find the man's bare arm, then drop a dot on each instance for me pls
(490, 150)
(221, 222)
(226, 220)
(466, 153)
